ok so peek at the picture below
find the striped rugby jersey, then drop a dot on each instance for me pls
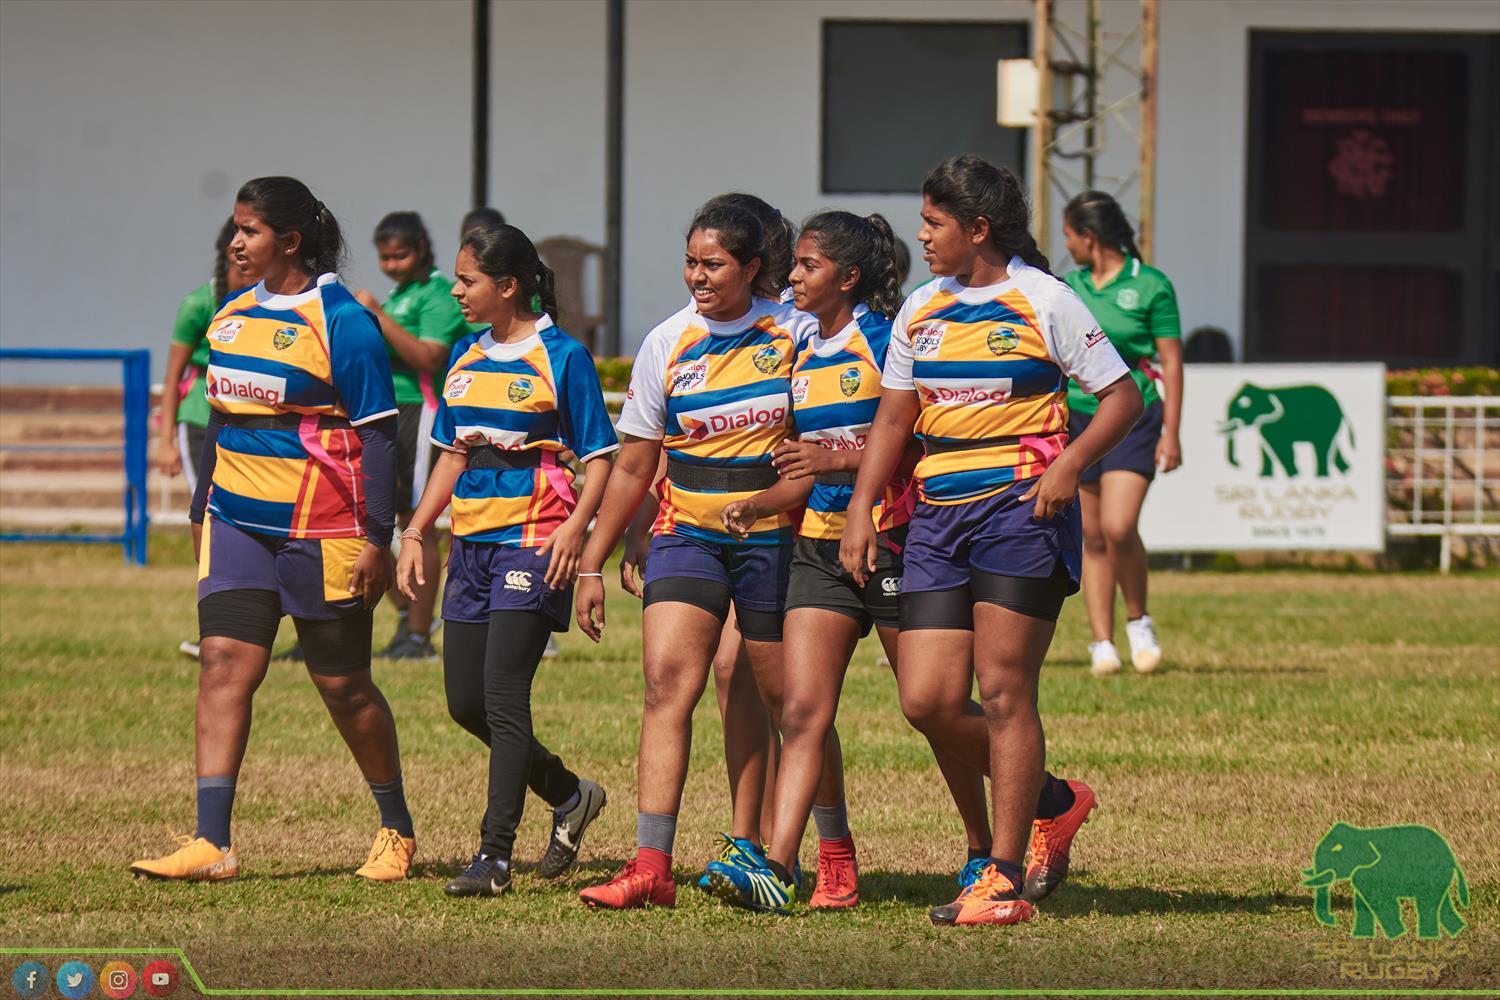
(318, 353)
(835, 392)
(717, 394)
(991, 364)
(542, 393)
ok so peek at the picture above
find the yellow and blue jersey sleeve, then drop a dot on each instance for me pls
(361, 365)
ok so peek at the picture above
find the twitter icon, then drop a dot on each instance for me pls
(75, 980)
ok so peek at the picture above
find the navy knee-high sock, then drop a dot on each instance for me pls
(390, 796)
(215, 804)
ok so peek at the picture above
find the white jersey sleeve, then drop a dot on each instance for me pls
(645, 412)
(1075, 341)
(896, 374)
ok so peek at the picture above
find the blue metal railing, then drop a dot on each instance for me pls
(137, 378)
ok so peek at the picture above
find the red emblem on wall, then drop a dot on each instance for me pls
(1362, 167)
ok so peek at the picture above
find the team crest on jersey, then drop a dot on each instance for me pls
(799, 388)
(767, 359)
(849, 381)
(926, 338)
(520, 389)
(226, 331)
(1002, 340)
(1128, 298)
(686, 378)
(284, 338)
(458, 385)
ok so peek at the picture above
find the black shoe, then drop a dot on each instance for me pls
(294, 654)
(485, 876)
(411, 648)
(568, 828)
(403, 632)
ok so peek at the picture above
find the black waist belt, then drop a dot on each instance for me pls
(721, 479)
(487, 456)
(282, 422)
(940, 447)
(835, 479)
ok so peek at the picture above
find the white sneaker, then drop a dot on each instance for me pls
(551, 650)
(1106, 660)
(1145, 651)
(188, 649)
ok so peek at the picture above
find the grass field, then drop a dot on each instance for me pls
(1293, 700)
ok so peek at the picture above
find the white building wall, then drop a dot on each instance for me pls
(125, 126)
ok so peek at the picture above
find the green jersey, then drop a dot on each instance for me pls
(191, 331)
(1135, 308)
(426, 310)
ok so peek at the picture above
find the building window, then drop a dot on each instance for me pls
(1370, 228)
(899, 96)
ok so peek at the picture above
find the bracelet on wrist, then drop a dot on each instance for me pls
(411, 535)
(599, 575)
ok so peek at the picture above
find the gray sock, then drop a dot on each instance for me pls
(656, 831)
(832, 821)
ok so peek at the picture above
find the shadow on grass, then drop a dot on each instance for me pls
(6, 890)
(441, 870)
(1174, 670)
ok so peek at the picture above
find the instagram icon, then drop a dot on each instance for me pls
(117, 980)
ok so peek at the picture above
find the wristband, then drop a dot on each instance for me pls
(599, 575)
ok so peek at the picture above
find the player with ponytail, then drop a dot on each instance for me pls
(518, 395)
(977, 368)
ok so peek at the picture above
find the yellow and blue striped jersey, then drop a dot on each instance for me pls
(541, 392)
(990, 366)
(835, 392)
(717, 394)
(318, 353)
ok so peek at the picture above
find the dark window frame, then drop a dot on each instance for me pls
(827, 23)
(1470, 251)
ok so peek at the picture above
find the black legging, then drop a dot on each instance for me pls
(487, 674)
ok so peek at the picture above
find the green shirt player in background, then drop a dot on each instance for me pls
(183, 418)
(1137, 309)
(420, 322)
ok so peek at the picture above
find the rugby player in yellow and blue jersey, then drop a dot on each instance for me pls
(517, 395)
(711, 385)
(296, 499)
(846, 275)
(978, 367)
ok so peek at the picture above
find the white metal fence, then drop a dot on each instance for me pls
(1443, 468)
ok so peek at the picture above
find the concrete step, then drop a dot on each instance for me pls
(43, 490)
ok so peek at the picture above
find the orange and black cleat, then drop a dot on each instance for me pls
(1050, 841)
(993, 899)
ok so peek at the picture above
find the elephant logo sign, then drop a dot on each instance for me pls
(1384, 865)
(1285, 417)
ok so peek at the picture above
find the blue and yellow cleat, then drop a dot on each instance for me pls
(732, 852)
(753, 887)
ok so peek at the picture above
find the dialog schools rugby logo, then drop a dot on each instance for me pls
(226, 331)
(799, 388)
(284, 338)
(849, 381)
(520, 389)
(686, 378)
(767, 359)
(1002, 340)
(248, 387)
(926, 338)
(458, 385)
(762, 411)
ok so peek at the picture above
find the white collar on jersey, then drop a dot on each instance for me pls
(826, 347)
(496, 351)
(983, 293)
(269, 301)
(758, 307)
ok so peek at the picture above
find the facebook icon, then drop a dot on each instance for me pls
(29, 980)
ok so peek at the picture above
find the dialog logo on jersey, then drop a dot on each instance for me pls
(926, 338)
(963, 392)
(518, 579)
(1002, 340)
(768, 359)
(245, 387)
(799, 388)
(688, 377)
(519, 390)
(711, 421)
(226, 331)
(284, 338)
(837, 439)
(457, 385)
(849, 381)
